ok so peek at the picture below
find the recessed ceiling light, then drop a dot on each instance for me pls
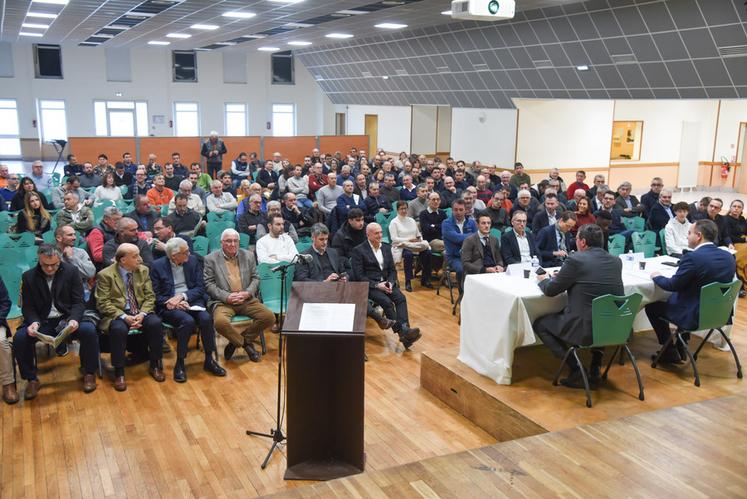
(268, 49)
(390, 25)
(43, 15)
(239, 15)
(582, 68)
(300, 43)
(446, 12)
(339, 35)
(206, 27)
(53, 2)
(179, 35)
(117, 94)
(158, 42)
(385, 77)
(24, 33)
(34, 25)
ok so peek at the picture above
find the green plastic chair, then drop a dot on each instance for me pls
(238, 319)
(25, 240)
(612, 323)
(217, 228)
(384, 221)
(227, 216)
(244, 240)
(644, 242)
(12, 279)
(637, 224)
(269, 285)
(303, 246)
(56, 179)
(6, 224)
(663, 239)
(200, 245)
(448, 212)
(714, 311)
(616, 245)
(496, 234)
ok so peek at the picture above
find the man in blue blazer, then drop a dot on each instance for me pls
(554, 242)
(179, 285)
(454, 231)
(704, 265)
(661, 211)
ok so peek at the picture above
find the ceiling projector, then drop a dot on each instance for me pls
(483, 10)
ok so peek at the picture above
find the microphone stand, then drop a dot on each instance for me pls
(276, 434)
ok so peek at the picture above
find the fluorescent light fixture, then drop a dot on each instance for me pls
(228, 44)
(42, 15)
(206, 27)
(53, 2)
(34, 25)
(339, 35)
(300, 43)
(390, 25)
(385, 77)
(117, 94)
(446, 12)
(256, 37)
(297, 25)
(352, 12)
(25, 33)
(239, 15)
(286, 1)
(268, 49)
(583, 67)
(179, 35)
(158, 42)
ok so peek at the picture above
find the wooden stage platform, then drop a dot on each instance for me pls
(686, 451)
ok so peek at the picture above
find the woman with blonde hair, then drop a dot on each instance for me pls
(34, 217)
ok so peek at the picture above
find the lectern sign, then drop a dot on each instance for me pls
(330, 317)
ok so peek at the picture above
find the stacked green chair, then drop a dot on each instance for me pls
(716, 305)
(226, 216)
(216, 228)
(644, 242)
(616, 245)
(663, 239)
(200, 245)
(637, 224)
(612, 323)
(244, 240)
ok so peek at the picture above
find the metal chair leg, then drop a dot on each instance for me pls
(702, 343)
(583, 376)
(637, 372)
(690, 356)
(263, 342)
(560, 369)
(733, 352)
(671, 340)
(612, 359)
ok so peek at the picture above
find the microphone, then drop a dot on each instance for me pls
(306, 258)
(294, 260)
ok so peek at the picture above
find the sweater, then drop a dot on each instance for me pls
(675, 236)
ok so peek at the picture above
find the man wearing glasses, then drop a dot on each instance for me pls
(10, 189)
(181, 301)
(652, 197)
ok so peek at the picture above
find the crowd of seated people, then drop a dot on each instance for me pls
(140, 221)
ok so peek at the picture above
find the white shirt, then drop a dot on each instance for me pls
(675, 235)
(275, 249)
(524, 250)
(378, 254)
(221, 204)
(53, 312)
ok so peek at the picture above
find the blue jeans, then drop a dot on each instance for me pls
(304, 203)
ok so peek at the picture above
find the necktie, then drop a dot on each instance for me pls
(131, 294)
(562, 242)
(487, 250)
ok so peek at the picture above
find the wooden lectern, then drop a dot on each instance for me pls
(325, 376)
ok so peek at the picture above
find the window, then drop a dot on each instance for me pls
(53, 120)
(283, 120)
(10, 137)
(121, 118)
(48, 61)
(185, 65)
(282, 67)
(236, 119)
(186, 119)
(626, 140)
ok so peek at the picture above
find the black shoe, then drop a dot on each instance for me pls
(682, 351)
(61, 350)
(180, 375)
(166, 348)
(408, 287)
(409, 335)
(254, 355)
(228, 352)
(574, 380)
(213, 367)
(426, 284)
(670, 356)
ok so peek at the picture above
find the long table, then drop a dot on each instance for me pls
(498, 311)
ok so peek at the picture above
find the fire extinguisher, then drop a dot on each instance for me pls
(725, 168)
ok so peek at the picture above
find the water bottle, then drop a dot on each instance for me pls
(535, 262)
(629, 259)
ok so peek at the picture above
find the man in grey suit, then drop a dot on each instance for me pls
(586, 274)
(232, 282)
(481, 251)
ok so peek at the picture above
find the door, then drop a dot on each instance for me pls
(371, 128)
(741, 157)
(340, 124)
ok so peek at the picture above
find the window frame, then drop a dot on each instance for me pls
(18, 127)
(277, 55)
(225, 118)
(272, 114)
(176, 121)
(37, 67)
(173, 66)
(40, 103)
(133, 110)
(638, 135)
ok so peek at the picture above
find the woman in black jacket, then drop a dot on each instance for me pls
(34, 217)
(19, 200)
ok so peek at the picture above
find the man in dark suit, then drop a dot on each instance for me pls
(704, 265)
(518, 245)
(52, 298)
(554, 242)
(627, 204)
(481, 252)
(179, 285)
(548, 215)
(661, 212)
(143, 214)
(586, 274)
(372, 262)
(376, 202)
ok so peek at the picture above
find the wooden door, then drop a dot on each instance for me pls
(371, 128)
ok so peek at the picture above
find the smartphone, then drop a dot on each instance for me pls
(540, 271)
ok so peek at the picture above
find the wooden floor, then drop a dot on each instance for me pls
(687, 451)
(173, 440)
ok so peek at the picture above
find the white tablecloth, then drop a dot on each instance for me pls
(498, 311)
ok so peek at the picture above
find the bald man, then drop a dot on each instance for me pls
(126, 303)
(372, 262)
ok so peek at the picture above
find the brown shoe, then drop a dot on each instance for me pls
(157, 374)
(89, 383)
(10, 394)
(32, 389)
(120, 384)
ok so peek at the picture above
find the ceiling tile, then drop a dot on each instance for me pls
(606, 23)
(686, 14)
(569, 77)
(656, 16)
(729, 36)
(543, 31)
(718, 11)
(693, 93)
(630, 20)
(657, 75)
(737, 67)
(562, 29)
(617, 46)
(670, 46)
(641, 93)
(699, 43)
(557, 55)
(619, 93)
(526, 34)
(712, 72)
(583, 26)
(721, 92)
(644, 48)
(551, 78)
(609, 76)
(576, 53)
(665, 93)
(684, 74)
(597, 52)
(632, 75)
(742, 91)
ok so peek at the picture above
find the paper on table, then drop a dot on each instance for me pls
(337, 317)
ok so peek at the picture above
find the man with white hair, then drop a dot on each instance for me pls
(41, 179)
(181, 301)
(213, 150)
(232, 283)
(277, 162)
(194, 202)
(78, 216)
(219, 201)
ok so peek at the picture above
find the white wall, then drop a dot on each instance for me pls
(733, 112)
(394, 124)
(424, 128)
(84, 71)
(564, 133)
(485, 135)
(662, 126)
